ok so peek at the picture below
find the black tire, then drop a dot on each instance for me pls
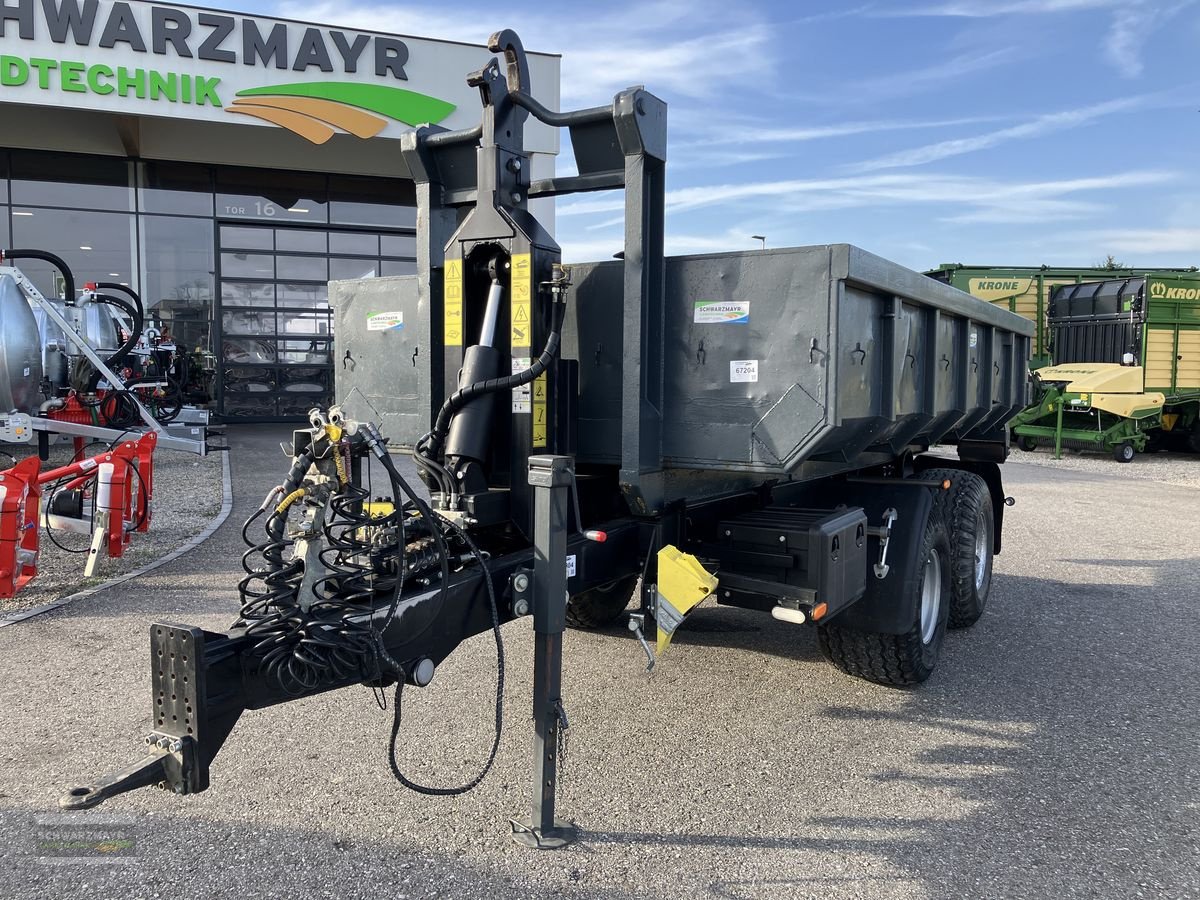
(1193, 438)
(601, 606)
(1028, 444)
(966, 511)
(1124, 453)
(900, 659)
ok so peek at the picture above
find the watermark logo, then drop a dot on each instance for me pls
(317, 110)
(73, 839)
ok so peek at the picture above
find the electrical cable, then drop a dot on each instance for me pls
(330, 640)
(499, 721)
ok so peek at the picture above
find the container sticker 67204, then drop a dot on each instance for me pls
(721, 312)
(743, 370)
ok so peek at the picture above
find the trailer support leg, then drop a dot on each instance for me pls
(551, 478)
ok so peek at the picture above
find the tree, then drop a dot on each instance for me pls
(1111, 264)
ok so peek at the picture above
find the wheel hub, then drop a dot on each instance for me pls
(983, 550)
(931, 596)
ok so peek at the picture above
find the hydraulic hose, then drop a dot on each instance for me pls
(57, 261)
(135, 333)
(125, 289)
(432, 442)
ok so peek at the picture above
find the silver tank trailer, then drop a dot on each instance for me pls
(20, 351)
(98, 327)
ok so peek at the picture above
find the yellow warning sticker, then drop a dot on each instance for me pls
(522, 276)
(453, 307)
(522, 300)
(539, 411)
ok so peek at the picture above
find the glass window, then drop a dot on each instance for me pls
(312, 351)
(345, 269)
(247, 380)
(302, 268)
(98, 246)
(399, 245)
(308, 296)
(233, 237)
(78, 182)
(4, 178)
(245, 350)
(354, 244)
(4, 220)
(267, 195)
(315, 322)
(398, 267)
(177, 259)
(177, 188)
(247, 265)
(387, 202)
(247, 293)
(301, 241)
(305, 380)
(248, 320)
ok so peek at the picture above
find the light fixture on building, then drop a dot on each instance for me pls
(84, 247)
(297, 209)
(21, 213)
(114, 274)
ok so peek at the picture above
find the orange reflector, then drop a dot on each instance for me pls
(819, 610)
(946, 484)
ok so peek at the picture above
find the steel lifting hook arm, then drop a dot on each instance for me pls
(509, 44)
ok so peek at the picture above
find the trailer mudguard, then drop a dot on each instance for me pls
(887, 606)
(990, 473)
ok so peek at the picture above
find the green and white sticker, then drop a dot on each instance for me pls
(721, 312)
(385, 321)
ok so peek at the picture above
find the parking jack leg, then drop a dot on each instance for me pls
(551, 477)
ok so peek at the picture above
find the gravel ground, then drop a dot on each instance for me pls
(1179, 468)
(187, 496)
(1053, 753)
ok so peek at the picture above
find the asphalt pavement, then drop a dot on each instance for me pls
(1053, 753)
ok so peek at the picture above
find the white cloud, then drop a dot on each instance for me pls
(1133, 21)
(669, 45)
(1044, 124)
(982, 9)
(970, 199)
(1145, 240)
(761, 134)
(1131, 28)
(899, 84)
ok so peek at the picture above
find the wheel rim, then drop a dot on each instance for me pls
(931, 596)
(983, 550)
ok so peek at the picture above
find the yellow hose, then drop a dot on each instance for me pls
(289, 500)
(343, 478)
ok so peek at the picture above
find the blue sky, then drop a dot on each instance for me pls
(975, 131)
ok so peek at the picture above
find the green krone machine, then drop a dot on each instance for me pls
(1126, 372)
(1026, 290)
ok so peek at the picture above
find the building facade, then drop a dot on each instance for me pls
(227, 167)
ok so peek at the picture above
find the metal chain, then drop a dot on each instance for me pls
(563, 727)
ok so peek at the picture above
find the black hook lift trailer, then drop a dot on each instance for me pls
(761, 417)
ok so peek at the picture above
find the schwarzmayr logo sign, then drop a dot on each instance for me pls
(151, 35)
